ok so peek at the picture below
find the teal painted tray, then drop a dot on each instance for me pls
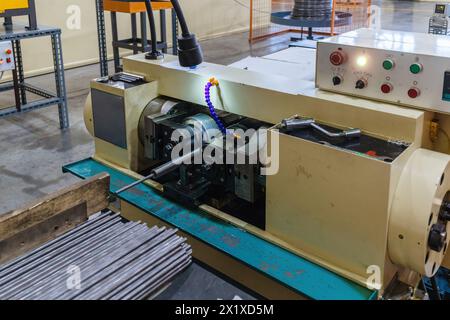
(292, 271)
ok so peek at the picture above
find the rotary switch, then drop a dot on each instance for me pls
(337, 80)
(361, 84)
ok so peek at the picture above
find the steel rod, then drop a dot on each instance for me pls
(40, 267)
(63, 250)
(111, 265)
(149, 261)
(117, 260)
(50, 245)
(82, 262)
(155, 272)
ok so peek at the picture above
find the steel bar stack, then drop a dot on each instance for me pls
(104, 258)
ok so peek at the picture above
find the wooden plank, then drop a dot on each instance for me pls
(33, 237)
(94, 192)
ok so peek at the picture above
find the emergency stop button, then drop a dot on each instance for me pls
(337, 57)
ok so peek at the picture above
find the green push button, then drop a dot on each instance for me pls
(388, 64)
(415, 68)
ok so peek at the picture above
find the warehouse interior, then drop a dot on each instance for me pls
(41, 157)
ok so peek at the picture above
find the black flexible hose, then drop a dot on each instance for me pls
(151, 19)
(184, 27)
(189, 51)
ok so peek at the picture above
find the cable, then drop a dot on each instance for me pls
(189, 51)
(151, 18)
(183, 24)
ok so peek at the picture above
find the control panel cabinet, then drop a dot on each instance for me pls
(404, 68)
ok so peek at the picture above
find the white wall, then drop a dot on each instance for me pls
(207, 18)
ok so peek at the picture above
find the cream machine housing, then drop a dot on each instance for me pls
(352, 184)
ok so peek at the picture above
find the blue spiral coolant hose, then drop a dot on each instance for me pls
(213, 82)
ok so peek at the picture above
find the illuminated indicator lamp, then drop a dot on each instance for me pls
(8, 51)
(1, 61)
(416, 68)
(361, 61)
(337, 58)
(413, 93)
(386, 88)
(388, 64)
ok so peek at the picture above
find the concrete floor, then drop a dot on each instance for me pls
(33, 149)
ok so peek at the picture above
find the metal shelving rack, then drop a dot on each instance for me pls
(16, 33)
(134, 43)
(101, 32)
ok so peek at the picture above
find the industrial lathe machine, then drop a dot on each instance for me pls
(351, 197)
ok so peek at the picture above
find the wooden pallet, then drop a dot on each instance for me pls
(45, 219)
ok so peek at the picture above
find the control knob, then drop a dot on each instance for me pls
(337, 80)
(361, 84)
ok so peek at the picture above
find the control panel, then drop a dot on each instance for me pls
(6, 56)
(409, 69)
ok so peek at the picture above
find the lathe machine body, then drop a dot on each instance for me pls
(357, 185)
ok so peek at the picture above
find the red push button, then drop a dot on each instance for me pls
(8, 51)
(8, 60)
(386, 88)
(413, 93)
(337, 58)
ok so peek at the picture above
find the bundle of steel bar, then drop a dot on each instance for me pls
(107, 257)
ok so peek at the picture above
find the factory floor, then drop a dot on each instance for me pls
(33, 149)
